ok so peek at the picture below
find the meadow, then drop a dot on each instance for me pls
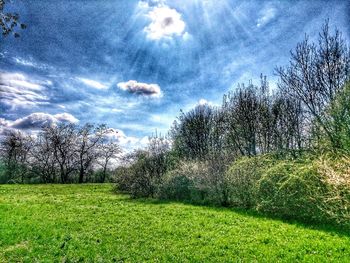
(90, 223)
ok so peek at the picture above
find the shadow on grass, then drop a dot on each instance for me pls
(333, 229)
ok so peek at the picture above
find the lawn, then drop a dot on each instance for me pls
(89, 223)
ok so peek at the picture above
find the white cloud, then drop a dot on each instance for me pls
(202, 102)
(266, 16)
(24, 62)
(165, 21)
(30, 62)
(128, 143)
(117, 110)
(19, 91)
(93, 84)
(66, 117)
(140, 88)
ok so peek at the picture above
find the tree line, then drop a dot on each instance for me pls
(253, 120)
(308, 111)
(59, 153)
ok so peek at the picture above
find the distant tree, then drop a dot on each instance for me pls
(87, 140)
(107, 151)
(157, 159)
(241, 109)
(264, 128)
(9, 21)
(62, 139)
(144, 170)
(43, 160)
(287, 124)
(315, 74)
(339, 112)
(191, 132)
(15, 148)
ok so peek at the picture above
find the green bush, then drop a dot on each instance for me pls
(309, 188)
(337, 116)
(335, 169)
(193, 182)
(242, 177)
(292, 189)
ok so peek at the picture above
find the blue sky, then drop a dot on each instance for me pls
(133, 64)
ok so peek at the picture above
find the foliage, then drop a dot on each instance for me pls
(315, 75)
(145, 169)
(191, 133)
(292, 189)
(308, 188)
(241, 180)
(62, 153)
(9, 21)
(192, 182)
(339, 115)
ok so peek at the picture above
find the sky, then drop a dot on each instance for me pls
(134, 64)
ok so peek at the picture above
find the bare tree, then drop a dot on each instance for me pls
(107, 152)
(287, 124)
(62, 138)
(87, 140)
(191, 132)
(241, 110)
(43, 160)
(14, 151)
(316, 73)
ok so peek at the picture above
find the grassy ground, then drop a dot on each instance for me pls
(79, 223)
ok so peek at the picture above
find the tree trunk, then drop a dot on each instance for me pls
(81, 175)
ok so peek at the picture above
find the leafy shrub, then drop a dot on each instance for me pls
(242, 177)
(340, 113)
(310, 188)
(292, 189)
(336, 172)
(191, 181)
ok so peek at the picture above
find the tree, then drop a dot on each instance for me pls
(9, 21)
(43, 160)
(241, 110)
(62, 139)
(14, 151)
(86, 143)
(315, 75)
(190, 134)
(339, 111)
(287, 124)
(107, 152)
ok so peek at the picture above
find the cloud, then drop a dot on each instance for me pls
(165, 22)
(117, 110)
(39, 119)
(66, 117)
(140, 88)
(31, 124)
(203, 102)
(30, 62)
(17, 90)
(128, 143)
(93, 84)
(266, 16)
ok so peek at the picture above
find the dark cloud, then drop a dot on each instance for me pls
(39, 119)
(139, 88)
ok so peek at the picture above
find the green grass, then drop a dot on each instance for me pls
(88, 223)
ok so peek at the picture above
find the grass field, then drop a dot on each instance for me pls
(89, 223)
